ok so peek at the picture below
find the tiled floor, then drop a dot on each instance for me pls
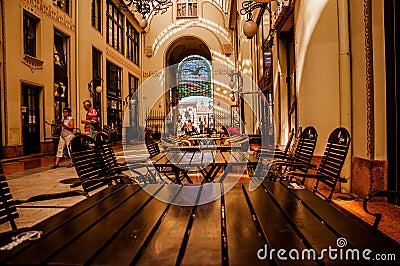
(33, 176)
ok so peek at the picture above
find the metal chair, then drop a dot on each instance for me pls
(172, 173)
(109, 160)
(300, 159)
(90, 167)
(378, 193)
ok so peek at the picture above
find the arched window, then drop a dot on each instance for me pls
(194, 77)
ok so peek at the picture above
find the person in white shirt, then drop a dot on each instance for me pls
(67, 133)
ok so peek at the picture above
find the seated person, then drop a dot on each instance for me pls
(230, 131)
(190, 129)
(227, 133)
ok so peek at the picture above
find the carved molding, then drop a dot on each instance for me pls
(32, 62)
(51, 11)
(227, 49)
(119, 58)
(369, 74)
(148, 51)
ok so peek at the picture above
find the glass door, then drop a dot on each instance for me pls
(30, 119)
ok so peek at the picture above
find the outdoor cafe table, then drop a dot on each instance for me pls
(194, 140)
(208, 162)
(126, 225)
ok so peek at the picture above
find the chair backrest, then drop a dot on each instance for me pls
(289, 142)
(107, 154)
(305, 147)
(153, 148)
(333, 159)
(296, 137)
(88, 164)
(8, 211)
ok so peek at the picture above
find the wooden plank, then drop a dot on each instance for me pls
(219, 159)
(346, 225)
(164, 246)
(204, 246)
(100, 234)
(174, 157)
(238, 158)
(275, 227)
(50, 244)
(207, 158)
(252, 159)
(128, 243)
(313, 231)
(243, 239)
(185, 160)
(160, 158)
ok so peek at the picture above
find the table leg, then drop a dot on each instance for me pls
(211, 174)
(185, 173)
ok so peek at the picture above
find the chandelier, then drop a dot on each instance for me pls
(145, 8)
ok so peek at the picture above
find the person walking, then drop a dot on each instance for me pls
(67, 133)
(92, 119)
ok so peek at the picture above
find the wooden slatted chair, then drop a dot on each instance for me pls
(328, 171)
(170, 173)
(112, 133)
(107, 155)
(300, 159)
(109, 160)
(89, 165)
(378, 193)
(276, 153)
(8, 206)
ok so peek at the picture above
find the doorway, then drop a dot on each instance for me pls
(30, 119)
(392, 39)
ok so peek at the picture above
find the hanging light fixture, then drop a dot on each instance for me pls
(145, 8)
(250, 27)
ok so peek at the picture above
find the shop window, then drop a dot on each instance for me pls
(114, 101)
(60, 73)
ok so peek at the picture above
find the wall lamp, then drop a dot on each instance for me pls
(93, 87)
(250, 27)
